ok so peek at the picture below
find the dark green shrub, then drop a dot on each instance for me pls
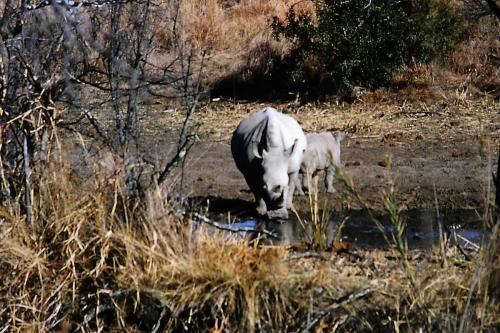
(351, 43)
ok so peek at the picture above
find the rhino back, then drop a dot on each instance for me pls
(290, 130)
(241, 141)
(320, 148)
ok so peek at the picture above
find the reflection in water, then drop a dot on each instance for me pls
(422, 230)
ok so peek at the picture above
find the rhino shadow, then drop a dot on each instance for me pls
(219, 207)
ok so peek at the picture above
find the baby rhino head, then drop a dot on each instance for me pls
(337, 138)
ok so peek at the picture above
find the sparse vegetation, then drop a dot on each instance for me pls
(254, 66)
(90, 262)
(95, 237)
(364, 43)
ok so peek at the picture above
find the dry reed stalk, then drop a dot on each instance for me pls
(93, 263)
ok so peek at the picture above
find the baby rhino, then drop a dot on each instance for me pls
(322, 153)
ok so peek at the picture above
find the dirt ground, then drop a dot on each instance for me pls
(453, 168)
(447, 156)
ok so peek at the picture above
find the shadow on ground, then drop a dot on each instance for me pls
(220, 208)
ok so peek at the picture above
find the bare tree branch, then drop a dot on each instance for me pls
(495, 8)
(340, 303)
(27, 173)
(479, 8)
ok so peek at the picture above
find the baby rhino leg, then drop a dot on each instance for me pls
(330, 176)
(308, 180)
(298, 184)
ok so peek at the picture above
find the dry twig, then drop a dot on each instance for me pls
(340, 303)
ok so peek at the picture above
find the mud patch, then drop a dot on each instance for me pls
(424, 229)
(418, 167)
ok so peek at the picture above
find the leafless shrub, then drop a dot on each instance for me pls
(479, 8)
(51, 52)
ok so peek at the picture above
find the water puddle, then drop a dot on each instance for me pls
(356, 226)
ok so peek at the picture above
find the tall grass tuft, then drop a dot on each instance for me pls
(94, 262)
(442, 301)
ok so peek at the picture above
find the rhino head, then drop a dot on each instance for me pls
(275, 179)
(336, 148)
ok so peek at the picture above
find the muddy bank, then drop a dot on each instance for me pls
(455, 169)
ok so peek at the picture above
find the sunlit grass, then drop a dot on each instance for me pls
(93, 261)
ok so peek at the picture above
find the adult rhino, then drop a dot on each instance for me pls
(268, 147)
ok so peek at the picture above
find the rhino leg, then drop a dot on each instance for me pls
(306, 181)
(314, 183)
(310, 181)
(330, 176)
(261, 205)
(292, 181)
(298, 184)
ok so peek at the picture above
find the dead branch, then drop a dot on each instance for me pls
(227, 227)
(466, 314)
(343, 301)
(308, 254)
(496, 180)
(27, 187)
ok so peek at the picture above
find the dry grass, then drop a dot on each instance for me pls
(477, 60)
(456, 116)
(236, 37)
(232, 30)
(232, 27)
(93, 262)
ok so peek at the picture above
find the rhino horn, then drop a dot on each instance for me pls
(289, 151)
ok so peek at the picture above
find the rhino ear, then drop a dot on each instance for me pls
(340, 136)
(255, 148)
(289, 151)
